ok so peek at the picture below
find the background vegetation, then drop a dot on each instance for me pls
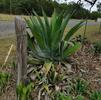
(26, 6)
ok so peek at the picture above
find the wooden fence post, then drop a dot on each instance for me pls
(21, 49)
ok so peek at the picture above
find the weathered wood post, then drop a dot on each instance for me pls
(21, 49)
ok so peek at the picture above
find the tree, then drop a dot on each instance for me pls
(99, 7)
(80, 12)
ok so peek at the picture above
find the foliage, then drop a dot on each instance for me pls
(79, 97)
(97, 47)
(81, 86)
(62, 96)
(48, 79)
(96, 95)
(99, 7)
(53, 81)
(80, 39)
(94, 15)
(80, 13)
(4, 77)
(23, 91)
(50, 42)
(26, 7)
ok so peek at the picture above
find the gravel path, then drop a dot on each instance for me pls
(7, 27)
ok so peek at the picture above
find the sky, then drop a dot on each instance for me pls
(86, 5)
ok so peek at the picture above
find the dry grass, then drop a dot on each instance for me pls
(91, 33)
(7, 17)
(5, 44)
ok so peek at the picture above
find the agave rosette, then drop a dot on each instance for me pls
(48, 39)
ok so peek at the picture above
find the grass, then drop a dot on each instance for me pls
(91, 32)
(7, 17)
(5, 44)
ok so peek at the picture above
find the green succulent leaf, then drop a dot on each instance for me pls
(71, 50)
(73, 30)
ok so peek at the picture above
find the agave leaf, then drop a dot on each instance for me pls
(65, 22)
(71, 50)
(41, 26)
(56, 27)
(34, 61)
(30, 44)
(39, 20)
(37, 36)
(73, 30)
(47, 67)
(47, 88)
(56, 40)
(60, 24)
(33, 48)
(53, 20)
(47, 29)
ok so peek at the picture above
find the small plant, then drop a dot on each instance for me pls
(96, 95)
(62, 96)
(97, 47)
(24, 92)
(4, 77)
(79, 97)
(81, 86)
(81, 39)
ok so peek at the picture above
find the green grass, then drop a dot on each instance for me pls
(5, 44)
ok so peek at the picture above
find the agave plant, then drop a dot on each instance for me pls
(48, 39)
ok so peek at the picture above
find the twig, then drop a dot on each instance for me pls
(9, 52)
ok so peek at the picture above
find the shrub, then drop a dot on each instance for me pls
(50, 42)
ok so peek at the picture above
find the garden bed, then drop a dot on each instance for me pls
(84, 65)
